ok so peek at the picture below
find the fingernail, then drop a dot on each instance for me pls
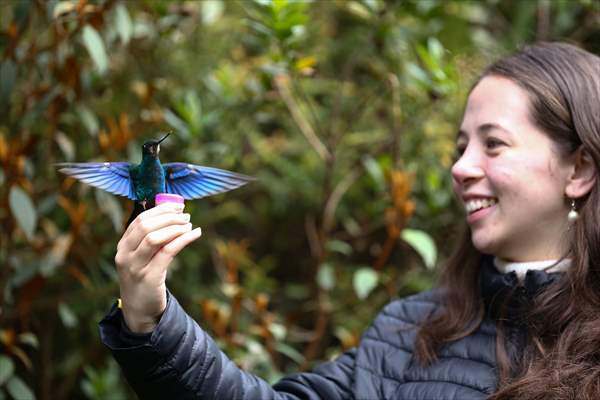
(186, 217)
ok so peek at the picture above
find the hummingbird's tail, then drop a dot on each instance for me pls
(138, 208)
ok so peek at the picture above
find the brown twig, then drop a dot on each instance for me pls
(386, 251)
(282, 84)
(335, 198)
(319, 330)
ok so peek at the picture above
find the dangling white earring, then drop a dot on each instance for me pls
(573, 214)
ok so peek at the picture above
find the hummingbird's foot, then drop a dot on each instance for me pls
(144, 204)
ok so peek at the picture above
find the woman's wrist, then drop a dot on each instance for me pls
(142, 314)
(137, 323)
(137, 318)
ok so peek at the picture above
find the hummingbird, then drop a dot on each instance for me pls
(142, 182)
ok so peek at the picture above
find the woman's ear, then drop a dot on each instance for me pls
(583, 176)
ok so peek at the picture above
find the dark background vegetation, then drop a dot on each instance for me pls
(345, 111)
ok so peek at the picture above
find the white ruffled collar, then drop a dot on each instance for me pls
(521, 268)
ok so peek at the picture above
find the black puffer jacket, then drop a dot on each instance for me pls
(178, 360)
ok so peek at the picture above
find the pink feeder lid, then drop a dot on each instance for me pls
(168, 198)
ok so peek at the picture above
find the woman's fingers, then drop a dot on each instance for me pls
(156, 269)
(152, 223)
(171, 249)
(153, 212)
(129, 241)
(156, 239)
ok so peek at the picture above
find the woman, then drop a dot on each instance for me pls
(517, 311)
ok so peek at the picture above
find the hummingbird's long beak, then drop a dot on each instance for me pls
(163, 138)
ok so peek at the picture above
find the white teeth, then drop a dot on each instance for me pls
(474, 205)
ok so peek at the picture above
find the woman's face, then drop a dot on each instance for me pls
(509, 176)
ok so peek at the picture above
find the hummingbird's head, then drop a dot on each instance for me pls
(152, 147)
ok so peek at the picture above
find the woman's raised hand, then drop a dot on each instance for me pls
(144, 253)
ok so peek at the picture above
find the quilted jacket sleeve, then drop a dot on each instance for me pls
(178, 360)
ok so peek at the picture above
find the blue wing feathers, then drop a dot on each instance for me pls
(94, 180)
(110, 176)
(188, 180)
(195, 181)
(188, 193)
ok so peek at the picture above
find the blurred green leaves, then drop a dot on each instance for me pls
(23, 210)
(187, 118)
(212, 10)
(7, 368)
(110, 206)
(18, 389)
(8, 75)
(364, 281)
(68, 318)
(103, 383)
(433, 72)
(123, 23)
(345, 111)
(95, 46)
(423, 245)
(326, 277)
(282, 20)
(11, 382)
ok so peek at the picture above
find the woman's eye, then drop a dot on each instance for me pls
(492, 143)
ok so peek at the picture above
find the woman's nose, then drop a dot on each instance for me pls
(468, 167)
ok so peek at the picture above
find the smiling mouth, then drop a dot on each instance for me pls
(472, 206)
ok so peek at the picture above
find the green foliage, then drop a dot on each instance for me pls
(423, 245)
(103, 383)
(23, 210)
(18, 389)
(364, 281)
(345, 111)
(95, 46)
(7, 369)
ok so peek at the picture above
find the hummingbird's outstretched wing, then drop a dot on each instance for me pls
(110, 176)
(195, 181)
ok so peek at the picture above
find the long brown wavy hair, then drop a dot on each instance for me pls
(561, 359)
